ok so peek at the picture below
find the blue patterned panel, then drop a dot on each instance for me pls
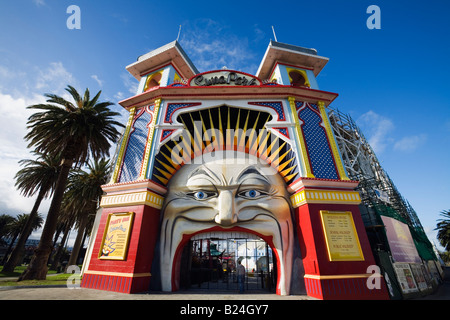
(134, 153)
(283, 131)
(277, 106)
(166, 133)
(172, 107)
(321, 157)
(298, 104)
(314, 106)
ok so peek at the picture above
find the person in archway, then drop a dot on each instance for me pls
(241, 276)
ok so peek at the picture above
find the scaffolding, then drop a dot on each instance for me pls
(376, 188)
(379, 197)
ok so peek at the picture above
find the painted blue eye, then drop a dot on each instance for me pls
(200, 195)
(251, 194)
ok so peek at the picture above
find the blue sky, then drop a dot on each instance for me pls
(392, 81)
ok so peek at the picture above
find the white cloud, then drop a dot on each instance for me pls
(13, 81)
(377, 130)
(129, 82)
(13, 123)
(39, 3)
(54, 78)
(18, 90)
(259, 33)
(410, 143)
(13, 148)
(95, 77)
(210, 46)
(119, 96)
(4, 72)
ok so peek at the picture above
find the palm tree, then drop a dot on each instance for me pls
(65, 222)
(443, 228)
(37, 176)
(76, 131)
(83, 196)
(5, 223)
(17, 227)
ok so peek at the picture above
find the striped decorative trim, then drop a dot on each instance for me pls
(118, 274)
(340, 276)
(118, 282)
(144, 197)
(342, 288)
(325, 196)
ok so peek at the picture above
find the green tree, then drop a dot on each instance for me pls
(443, 228)
(5, 224)
(66, 220)
(38, 176)
(77, 131)
(17, 227)
(83, 197)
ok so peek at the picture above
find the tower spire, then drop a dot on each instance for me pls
(179, 32)
(274, 35)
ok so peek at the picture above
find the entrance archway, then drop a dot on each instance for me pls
(209, 261)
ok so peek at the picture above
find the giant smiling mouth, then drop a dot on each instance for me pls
(178, 232)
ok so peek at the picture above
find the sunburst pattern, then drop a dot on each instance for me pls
(224, 128)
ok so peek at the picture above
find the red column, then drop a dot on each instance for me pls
(326, 278)
(132, 274)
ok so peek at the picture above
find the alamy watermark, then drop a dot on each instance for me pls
(374, 280)
(74, 20)
(73, 282)
(374, 20)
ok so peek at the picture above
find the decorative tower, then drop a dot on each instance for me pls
(121, 259)
(336, 252)
(230, 153)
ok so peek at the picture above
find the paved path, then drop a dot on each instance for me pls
(443, 292)
(63, 293)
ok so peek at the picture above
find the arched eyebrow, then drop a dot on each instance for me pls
(206, 172)
(252, 171)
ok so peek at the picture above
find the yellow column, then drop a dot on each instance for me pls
(332, 140)
(126, 135)
(300, 139)
(151, 132)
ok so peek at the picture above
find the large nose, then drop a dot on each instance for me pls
(227, 212)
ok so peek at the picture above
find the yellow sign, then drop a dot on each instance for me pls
(116, 236)
(341, 237)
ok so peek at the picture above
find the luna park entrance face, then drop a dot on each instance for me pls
(210, 260)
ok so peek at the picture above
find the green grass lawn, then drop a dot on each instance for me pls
(52, 278)
(18, 271)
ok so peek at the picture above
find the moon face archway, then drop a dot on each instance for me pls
(227, 155)
(236, 193)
